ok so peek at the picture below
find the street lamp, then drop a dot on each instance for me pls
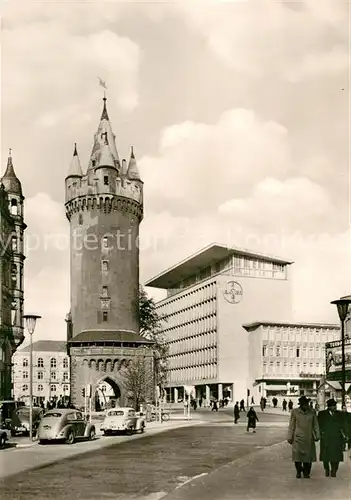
(343, 305)
(31, 320)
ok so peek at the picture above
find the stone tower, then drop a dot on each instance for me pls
(12, 260)
(104, 207)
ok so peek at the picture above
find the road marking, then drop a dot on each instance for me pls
(190, 479)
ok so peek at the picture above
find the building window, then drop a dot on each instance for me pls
(65, 376)
(53, 375)
(105, 180)
(297, 352)
(25, 388)
(40, 388)
(53, 388)
(264, 350)
(278, 350)
(25, 374)
(14, 207)
(104, 316)
(104, 266)
(14, 243)
(25, 362)
(53, 363)
(104, 291)
(65, 362)
(14, 275)
(105, 242)
(40, 363)
(65, 388)
(80, 219)
(40, 375)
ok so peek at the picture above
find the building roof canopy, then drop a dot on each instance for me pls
(202, 259)
(45, 345)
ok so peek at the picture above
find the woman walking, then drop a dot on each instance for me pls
(302, 435)
(251, 420)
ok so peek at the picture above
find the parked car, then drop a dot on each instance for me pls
(123, 420)
(65, 425)
(4, 436)
(7, 409)
(20, 420)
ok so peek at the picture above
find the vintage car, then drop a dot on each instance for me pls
(4, 436)
(20, 420)
(123, 420)
(64, 425)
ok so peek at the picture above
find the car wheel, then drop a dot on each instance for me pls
(92, 434)
(142, 429)
(129, 431)
(42, 441)
(165, 417)
(2, 441)
(70, 438)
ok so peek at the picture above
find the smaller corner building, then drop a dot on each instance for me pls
(12, 258)
(104, 206)
(214, 299)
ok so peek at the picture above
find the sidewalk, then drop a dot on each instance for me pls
(267, 474)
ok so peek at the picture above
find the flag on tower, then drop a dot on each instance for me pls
(102, 83)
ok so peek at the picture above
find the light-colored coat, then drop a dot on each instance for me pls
(303, 432)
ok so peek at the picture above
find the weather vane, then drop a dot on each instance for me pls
(103, 85)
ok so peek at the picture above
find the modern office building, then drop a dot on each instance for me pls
(51, 379)
(12, 228)
(210, 296)
(287, 358)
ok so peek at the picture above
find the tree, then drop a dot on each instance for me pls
(139, 380)
(151, 328)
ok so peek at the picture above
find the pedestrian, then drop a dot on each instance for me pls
(200, 402)
(290, 405)
(262, 404)
(236, 412)
(214, 406)
(275, 402)
(302, 434)
(333, 437)
(242, 405)
(251, 420)
(285, 404)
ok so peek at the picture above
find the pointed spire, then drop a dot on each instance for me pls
(9, 180)
(133, 172)
(75, 169)
(104, 114)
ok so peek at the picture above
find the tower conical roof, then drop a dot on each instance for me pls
(133, 172)
(106, 158)
(104, 134)
(75, 169)
(9, 180)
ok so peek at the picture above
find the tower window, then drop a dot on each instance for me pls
(14, 243)
(14, 275)
(93, 163)
(104, 291)
(14, 207)
(105, 242)
(80, 219)
(104, 316)
(105, 180)
(104, 266)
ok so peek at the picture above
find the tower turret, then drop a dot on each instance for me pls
(13, 188)
(133, 172)
(74, 176)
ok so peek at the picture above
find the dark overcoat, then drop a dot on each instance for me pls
(333, 435)
(303, 432)
(251, 419)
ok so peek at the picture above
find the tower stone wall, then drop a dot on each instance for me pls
(104, 207)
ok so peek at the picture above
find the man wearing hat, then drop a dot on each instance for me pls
(302, 434)
(333, 437)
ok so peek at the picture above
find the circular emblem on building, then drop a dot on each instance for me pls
(233, 292)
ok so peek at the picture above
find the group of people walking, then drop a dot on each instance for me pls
(306, 428)
(251, 416)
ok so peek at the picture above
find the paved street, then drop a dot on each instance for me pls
(210, 459)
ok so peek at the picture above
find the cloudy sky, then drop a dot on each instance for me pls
(239, 115)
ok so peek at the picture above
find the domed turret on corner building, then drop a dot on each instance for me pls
(104, 207)
(12, 229)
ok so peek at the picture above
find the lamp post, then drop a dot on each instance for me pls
(31, 320)
(343, 305)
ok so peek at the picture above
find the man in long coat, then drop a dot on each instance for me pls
(333, 437)
(302, 434)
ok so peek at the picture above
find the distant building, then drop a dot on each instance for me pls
(12, 228)
(51, 371)
(288, 358)
(210, 296)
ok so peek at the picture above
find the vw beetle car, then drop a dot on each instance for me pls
(66, 425)
(123, 420)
